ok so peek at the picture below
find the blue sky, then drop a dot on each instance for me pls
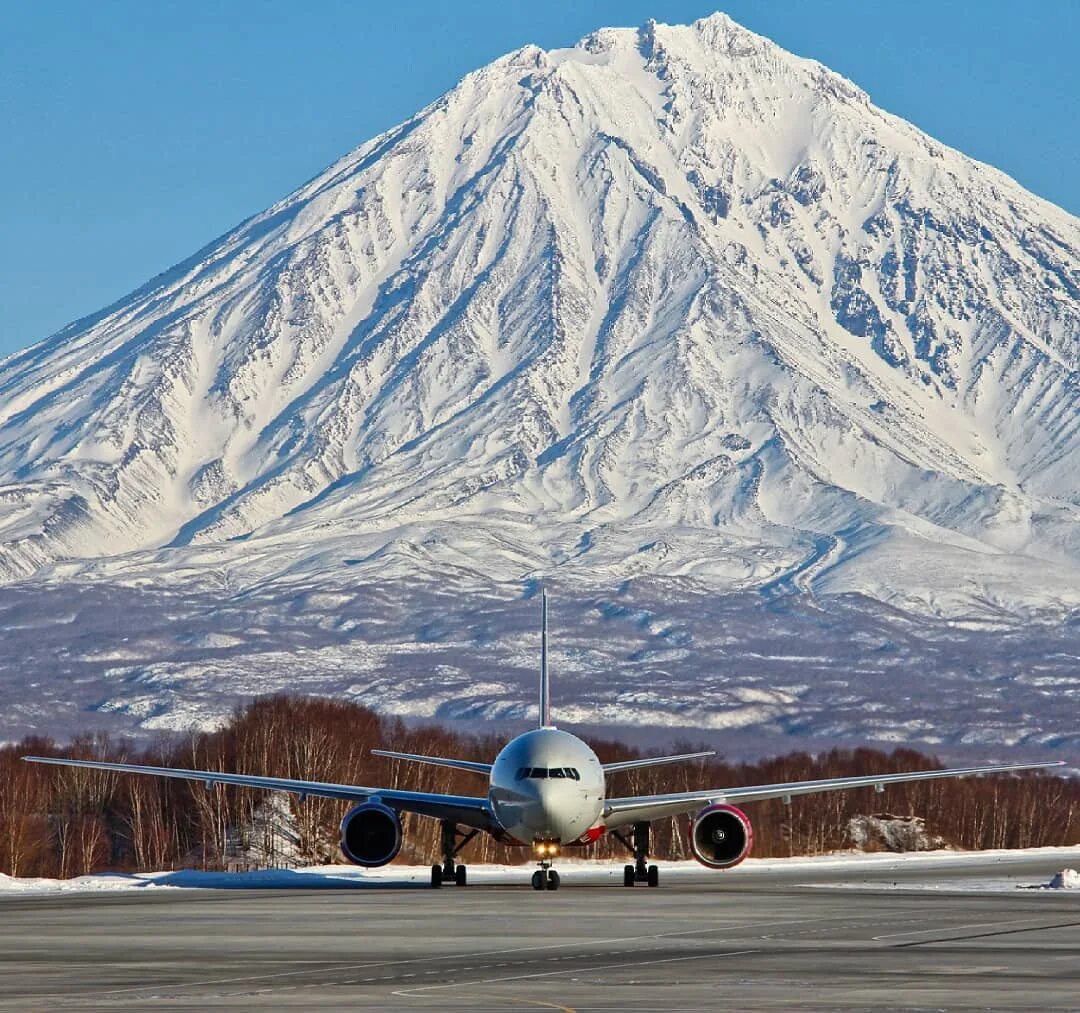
(134, 133)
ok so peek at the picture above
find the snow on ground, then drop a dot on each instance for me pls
(1067, 879)
(990, 884)
(594, 873)
(761, 676)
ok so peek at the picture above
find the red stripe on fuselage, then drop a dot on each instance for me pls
(591, 836)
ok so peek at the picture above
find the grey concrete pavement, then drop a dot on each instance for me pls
(698, 943)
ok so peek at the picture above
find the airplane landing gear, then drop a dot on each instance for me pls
(545, 878)
(638, 846)
(453, 840)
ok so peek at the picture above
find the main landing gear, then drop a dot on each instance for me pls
(638, 846)
(453, 840)
(545, 878)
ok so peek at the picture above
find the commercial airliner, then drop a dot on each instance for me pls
(547, 791)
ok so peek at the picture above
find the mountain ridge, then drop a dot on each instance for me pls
(672, 301)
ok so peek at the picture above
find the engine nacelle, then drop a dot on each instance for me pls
(721, 836)
(371, 835)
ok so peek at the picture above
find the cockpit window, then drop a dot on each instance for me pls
(546, 772)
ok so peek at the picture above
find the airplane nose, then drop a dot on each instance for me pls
(544, 809)
(553, 806)
(536, 794)
(540, 794)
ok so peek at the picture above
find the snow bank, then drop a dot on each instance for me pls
(581, 871)
(1067, 879)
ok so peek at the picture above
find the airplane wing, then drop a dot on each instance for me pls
(622, 811)
(653, 761)
(438, 761)
(471, 812)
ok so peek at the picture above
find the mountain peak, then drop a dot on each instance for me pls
(720, 31)
(673, 301)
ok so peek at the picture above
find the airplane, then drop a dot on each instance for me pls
(547, 791)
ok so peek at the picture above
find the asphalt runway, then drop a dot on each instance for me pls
(704, 942)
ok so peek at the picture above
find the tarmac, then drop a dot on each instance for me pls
(779, 940)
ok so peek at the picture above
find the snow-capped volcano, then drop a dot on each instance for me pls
(671, 302)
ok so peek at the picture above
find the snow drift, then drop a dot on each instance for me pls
(1067, 879)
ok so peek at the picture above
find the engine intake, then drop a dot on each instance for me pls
(371, 835)
(721, 836)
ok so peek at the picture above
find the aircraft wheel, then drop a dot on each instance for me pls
(459, 875)
(628, 875)
(436, 876)
(552, 880)
(654, 876)
(539, 881)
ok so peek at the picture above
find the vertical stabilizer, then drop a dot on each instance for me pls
(545, 693)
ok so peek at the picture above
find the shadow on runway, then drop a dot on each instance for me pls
(265, 879)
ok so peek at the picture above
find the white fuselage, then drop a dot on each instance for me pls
(547, 785)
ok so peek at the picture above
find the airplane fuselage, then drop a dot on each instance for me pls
(547, 786)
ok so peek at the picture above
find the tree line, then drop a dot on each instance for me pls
(65, 821)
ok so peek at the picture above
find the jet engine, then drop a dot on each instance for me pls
(371, 834)
(721, 836)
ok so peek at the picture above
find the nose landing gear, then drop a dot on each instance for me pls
(545, 878)
(638, 846)
(453, 840)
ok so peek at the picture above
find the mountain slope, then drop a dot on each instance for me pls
(674, 301)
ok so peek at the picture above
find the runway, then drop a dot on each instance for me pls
(701, 942)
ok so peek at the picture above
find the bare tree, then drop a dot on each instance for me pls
(69, 821)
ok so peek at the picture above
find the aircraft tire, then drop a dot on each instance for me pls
(460, 875)
(628, 876)
(539, 880)
(654, 876)
(436, 876)
(552, 880)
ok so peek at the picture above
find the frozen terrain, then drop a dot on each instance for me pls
(779, 391)
(934, 865)
(745, 673)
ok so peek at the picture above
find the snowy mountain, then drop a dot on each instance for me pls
(673, 303)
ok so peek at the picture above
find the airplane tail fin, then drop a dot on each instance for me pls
(545, 691)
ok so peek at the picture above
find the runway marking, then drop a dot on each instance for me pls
(821, 927)
(410, 992)
(947, 928)
(521, 1002)
(985, 935)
